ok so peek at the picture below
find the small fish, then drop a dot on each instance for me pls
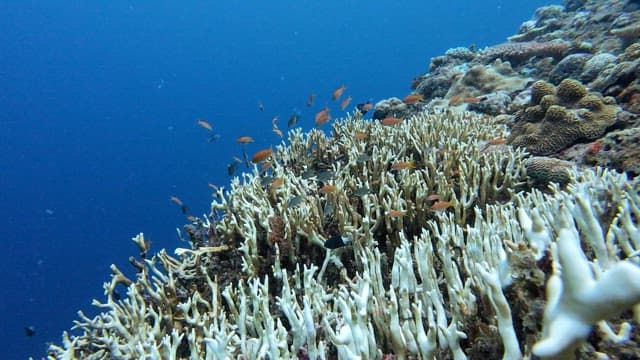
(205, 124)
(329, 209)
(265, 166)
(328, 189)
(192, 218)
(441, 205)
(213, 186)
(176, 200)
(309, 173)
(471, 100)
(30, 330)
(337, 93)
(326, 176)
(362, 191)
(497, 141)
(360, 135)
(260, 106)
(310, 99)
(231, 168)
(213, 138)
(295, 201)
(244, 140)
(337, 241)
(293, 119)
(262, 155)
(413, 98)
(116, 295)
(433, 197)
(364, 107)
(390, 120)
(246, 157)
(395, 213)
(363, 158)
(322, 117)
(345, 103)
(402, 165)
(274, 127)
(266, 181)
(276, 183)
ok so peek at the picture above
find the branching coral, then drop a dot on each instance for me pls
(412, 282)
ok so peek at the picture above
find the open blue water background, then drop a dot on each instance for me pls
(98, 109)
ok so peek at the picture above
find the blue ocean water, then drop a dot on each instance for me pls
(99, 103)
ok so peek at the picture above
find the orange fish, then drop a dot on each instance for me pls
(441, 205)
(266, 166)
(244, 140)
(497, 141)
(389, 120)
(395, 213)
(262, 155)
(322, 117)
(360, 135)
(412, 99)
(277, 183)
(367, 106)
(205, 124)
(401, 165)
(471, 100)
(345, 103)
(328, 188)
(310, 99)
(455, 100)
(337, 93)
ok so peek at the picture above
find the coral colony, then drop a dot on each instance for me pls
(491, 214)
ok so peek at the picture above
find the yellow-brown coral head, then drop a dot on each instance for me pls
(539, 89)
(569, 91)
(556, 114)
(591, 102)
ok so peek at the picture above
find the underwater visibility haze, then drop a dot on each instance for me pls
(100, 107)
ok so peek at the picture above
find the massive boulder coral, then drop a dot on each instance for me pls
(559, 116)
(415, 279)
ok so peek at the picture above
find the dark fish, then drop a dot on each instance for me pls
(293, 119)
(30, 330)
(364, 107)
(184, 209)
(325, 176)
(231, 168)
(213, 137)
(363, 158)
(267, 180)
(309, 173)
(337, 241)
(116, 295)
(362, 191)
(295, 201)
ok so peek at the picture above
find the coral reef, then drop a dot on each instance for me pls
(558, 117)
(413, 280)
(437, 237)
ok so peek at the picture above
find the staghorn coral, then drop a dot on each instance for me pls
(557, 119)
(426, 284)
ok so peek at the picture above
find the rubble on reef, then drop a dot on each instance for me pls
(496, 217)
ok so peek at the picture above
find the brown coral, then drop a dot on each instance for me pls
(544, 170)
(556, 120)
(522, 51)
